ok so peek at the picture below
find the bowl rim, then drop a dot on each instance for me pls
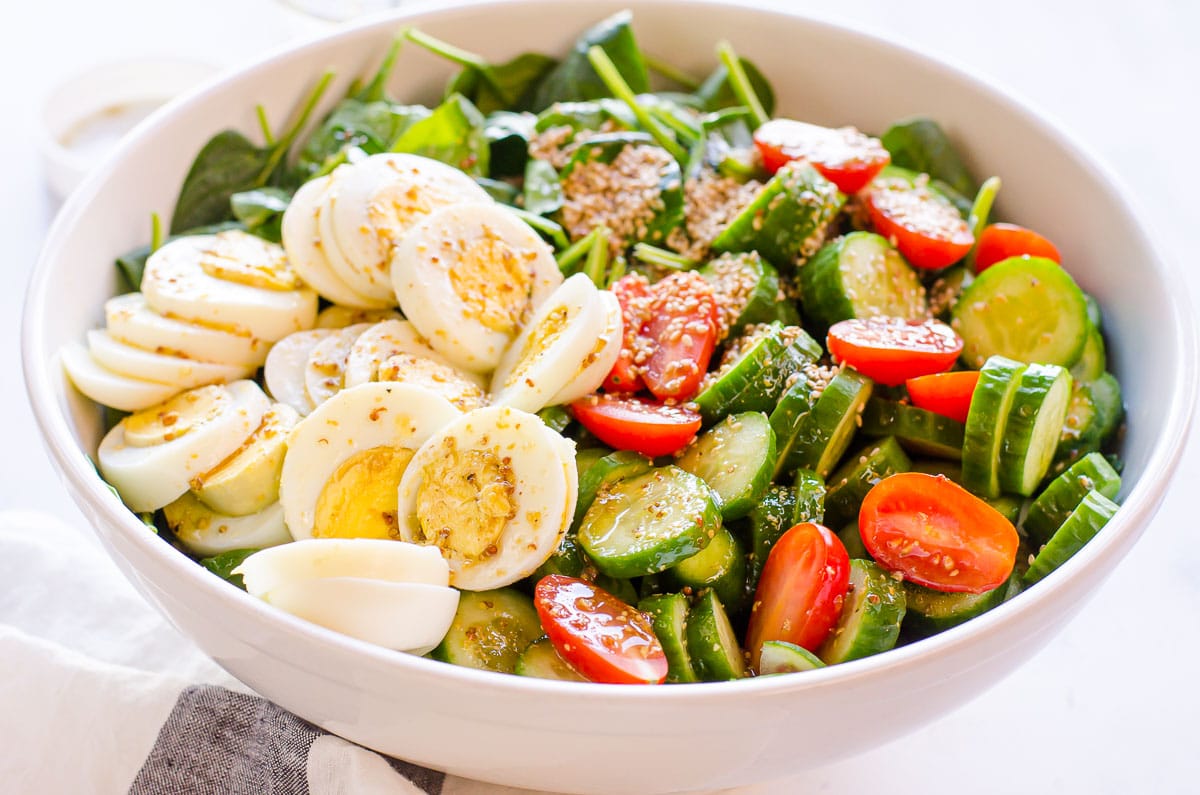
(1139, 506)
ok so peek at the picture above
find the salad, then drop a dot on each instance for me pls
(579, 377)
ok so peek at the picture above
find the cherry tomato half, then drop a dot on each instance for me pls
(1001, 241)
(682, 333)
(801, 591)
(629, 423)
(937, 534)
(633, 293)
(924, 227)
(948, 394)
(604, 639)
(844, 156)
(892, 350)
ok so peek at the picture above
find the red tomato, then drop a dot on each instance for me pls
(629, 423)
(1001, 241)
(682, 333)
(845, 156)
(605, 639)
(800, 593)
(923, 226)
(633, 293)
(891, 350)
(948, 394)
(937, 534)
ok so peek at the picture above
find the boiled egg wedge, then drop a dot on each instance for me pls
(382, 341)
(443, 379)
(207, 532)
(335, 316)
(284, 371)
(325, 369)
(599, 362)
(130, 319)
(160, 368)
(248, 481)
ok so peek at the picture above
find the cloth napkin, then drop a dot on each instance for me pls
(99, 694)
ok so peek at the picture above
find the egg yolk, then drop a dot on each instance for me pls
(464, 502)
(172, 419)
(248, 480)
(493, 281)
(359, 500)
(245, 259)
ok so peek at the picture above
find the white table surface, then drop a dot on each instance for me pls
(1111, 705)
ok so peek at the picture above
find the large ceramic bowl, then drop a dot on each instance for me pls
(604, 739)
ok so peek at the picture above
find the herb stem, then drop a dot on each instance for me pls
(156, 232)
(672, 73)
(616, 84)
(597, 257)
(280, 148)
(980, 210)
(653, 255)
(375, 91)
(616, 271)
(264, 125)
(545, 226)
(681, 128)
(576, 251)
(741, 84)
(464, 58)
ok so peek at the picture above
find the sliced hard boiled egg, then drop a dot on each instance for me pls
(436, 376)
(344, 461)
(131, 320)
(319, 558)
(324, 372)
(554, 346)
(248, 481)
(106, 387)
(151, 456)
(468, 277)
(160, 368)
(207, 532)
(599, 362)
(284, 370)
(494, 491)
(230, 280)
(384, 340)
(336, 316)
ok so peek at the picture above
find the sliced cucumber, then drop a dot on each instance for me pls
(604, 473)
(567, 558)
(870, 618)
(781, 657)
(747, 290)
(619, 587)
(1093, 416)
(720, 566)
(815, 423)
(769, 520)
(648, 523)
(810, 497)
(860, 275)
(542, 660)
(668, 614)
(754, 372)
(930, 612)
(736, 458)
(1063, 495)
(945, 290)
(998, 382)
(1022, 308)
(1035, 420)
(490, 630)
(862, 470)
(851, 539)
(1092, 513)
(711, 641)
(1093, 362)
(919, 431)
(585, 457)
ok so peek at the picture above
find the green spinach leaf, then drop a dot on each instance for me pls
(453, 133)
(543, 191)
(574, 78)
(716, 92)
(369, 126)
(506, 86)
(500, 191)
(223, 565)
(261, 210)
(508, 135)
(588, 115)
(921, 145)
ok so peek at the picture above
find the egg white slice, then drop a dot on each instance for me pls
(468, 277)
(341, 458)
(410, 617)
(131, 320)
(283, 373)
(600, 361)
(384, 340)
(106, 387)
(491, 491)
(248, 481)
(150, 475)
(320, 558)
(306, 248)
(336, 316)
(461, 389)
(206, 532)
(176, 283)
(160, 368)
(325, 370)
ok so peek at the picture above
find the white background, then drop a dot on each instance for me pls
(1111, 705)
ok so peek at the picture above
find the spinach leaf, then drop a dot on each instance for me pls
(506, 86)
(589, 115)
(508, 135)
(716, 92)
(500, 191)
(921, 145)
(574, 78)
(223, 565)
(369, 126)
(376, 89)
(453, 133)
(132, 264)
(543, 191)
(261, 210)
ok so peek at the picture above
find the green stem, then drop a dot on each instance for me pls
(731, 166)
(375, 91)
(576, 251)
(156, 232)
(264, 125)
(653, 255)
(620, 89)
(672, 73)
(464, 58)
(597, 257)
(980, 211)
(280, 148)
(545, 226)
(616, 271)
(689, 134)
(741, 84)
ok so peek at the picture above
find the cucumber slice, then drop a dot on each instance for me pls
(814, 423)
(567, 558)
(945, 290)
(1081, 526)
(711, 641)
(1063, 495)
(490, 630)
(1093, 417)
(786, 310)
(753, 373)
(668, 614)
(851, 539)
(1035, 420)
(587, 456)
(603, 474)
(1093, 362)
(542, 660)
(649, 523)
(1023, 308)
(810, 497)
(781, 657)
(747, 290)
(720, 566)
(860, 275)
(919, 431)
(998, 382)
(871, 615)
(619, 587)
(769, 520)
(736, 458)
(930, 612)
(787, 220)
(851, 482)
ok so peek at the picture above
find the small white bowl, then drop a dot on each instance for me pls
(624, 739)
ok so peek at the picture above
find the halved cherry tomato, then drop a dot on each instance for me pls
(629, 423)
(937, 534)
(633, 293)
(844, 156)
(891, 350)
(923, 226)
(605, 639)
(801, 591)
(682, 331)
(948, 394)
(1001, 241)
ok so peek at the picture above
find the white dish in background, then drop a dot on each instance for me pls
(607, 739)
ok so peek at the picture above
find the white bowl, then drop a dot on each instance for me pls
(605, 739)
